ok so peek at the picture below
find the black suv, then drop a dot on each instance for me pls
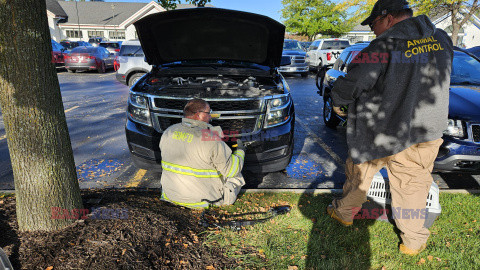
(229, 58)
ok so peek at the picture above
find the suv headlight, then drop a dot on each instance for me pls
(138, 109)
(455, 129)
(277, 111)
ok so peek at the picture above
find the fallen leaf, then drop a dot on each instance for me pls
(384, 268)
(49, 268)
(438, 259)
(422, 261)
(448, 244)
(430, 257)
(185, 245)
(292, 267)
(123, 251)
(210, 267)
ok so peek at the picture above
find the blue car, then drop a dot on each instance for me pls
(460, 151)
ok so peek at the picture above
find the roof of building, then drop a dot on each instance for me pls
(55, 8)
(102, 13)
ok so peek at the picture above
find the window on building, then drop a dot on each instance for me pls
(74, 34)
(116, 34)
(95, 34)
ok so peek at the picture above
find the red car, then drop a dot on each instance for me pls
(57, 54)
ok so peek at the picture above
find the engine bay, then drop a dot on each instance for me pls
(210, 86)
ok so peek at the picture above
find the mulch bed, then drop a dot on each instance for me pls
(155, 235)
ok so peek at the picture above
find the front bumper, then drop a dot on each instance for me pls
(269, 150)
(294, 69)
(458, 156)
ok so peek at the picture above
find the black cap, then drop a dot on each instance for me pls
(383, 7)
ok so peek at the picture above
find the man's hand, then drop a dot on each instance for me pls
(240, 145)
(339, 111)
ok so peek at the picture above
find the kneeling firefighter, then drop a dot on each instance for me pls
(199, 168)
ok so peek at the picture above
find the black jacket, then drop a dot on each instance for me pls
(397, 90)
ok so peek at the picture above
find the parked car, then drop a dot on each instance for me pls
(474, 50)
(111, 46)
(460, 150)
(131, 64)
(69, 45)
(96, 40)
(230, 59)
(324, 52)
(57, 55)
(294, 50)
(89, 58)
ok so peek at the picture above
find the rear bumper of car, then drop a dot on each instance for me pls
(91, 65)
(121, 77)
(456, 156)
(267, 151)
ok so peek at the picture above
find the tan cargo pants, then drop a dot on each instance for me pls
(409, 173)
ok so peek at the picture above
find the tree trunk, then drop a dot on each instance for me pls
(37, 133)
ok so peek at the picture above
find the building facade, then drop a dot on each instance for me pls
(75, 21)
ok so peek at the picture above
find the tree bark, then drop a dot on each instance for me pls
(37, 134)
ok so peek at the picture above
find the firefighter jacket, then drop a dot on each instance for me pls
(198, 167)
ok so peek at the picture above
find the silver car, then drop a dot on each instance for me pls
(89, 58)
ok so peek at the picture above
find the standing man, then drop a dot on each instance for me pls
(199, 169)
(397, 92)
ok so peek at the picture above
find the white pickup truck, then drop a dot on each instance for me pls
(324, 52)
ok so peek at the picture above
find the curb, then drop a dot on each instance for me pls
(300, 190)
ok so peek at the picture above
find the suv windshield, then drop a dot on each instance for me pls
(291, 45)
(110, 45)
(465, 69)
(335, 44)
(131, 50)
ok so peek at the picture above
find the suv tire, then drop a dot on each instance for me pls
(329, 116)
(134, 78)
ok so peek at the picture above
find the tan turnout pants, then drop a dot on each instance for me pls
(409, 173)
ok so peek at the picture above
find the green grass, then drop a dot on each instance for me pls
(307, 237)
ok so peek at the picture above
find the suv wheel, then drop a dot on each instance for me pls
(101, 68)
(329, 116)
(134, 78)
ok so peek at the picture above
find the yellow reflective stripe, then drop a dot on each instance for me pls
(234, 167)
(188, 168)
(190, 173)
(240, 154)
(195, 205)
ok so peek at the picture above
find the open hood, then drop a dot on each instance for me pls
(210, 34)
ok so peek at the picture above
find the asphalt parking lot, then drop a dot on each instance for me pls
(95, 107)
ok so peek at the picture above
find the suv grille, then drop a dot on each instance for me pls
(242, 126)
(239, 116)
(178, 104)
(476, 133)
(298, 59)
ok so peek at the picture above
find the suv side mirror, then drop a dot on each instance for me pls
(285, 61)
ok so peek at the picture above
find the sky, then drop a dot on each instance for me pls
(270, 8)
